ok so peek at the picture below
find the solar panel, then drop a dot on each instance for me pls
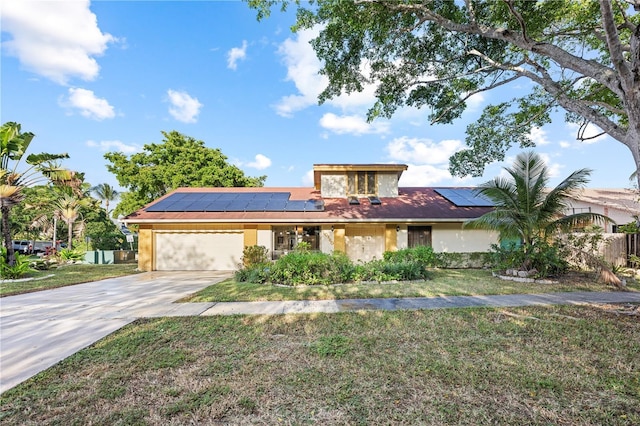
(295, 206)
(276, 205)
(234, 202)
(465, 197)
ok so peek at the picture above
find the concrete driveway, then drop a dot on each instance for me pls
(39, 329)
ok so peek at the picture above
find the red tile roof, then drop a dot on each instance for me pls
(412, 204)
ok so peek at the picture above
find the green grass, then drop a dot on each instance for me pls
(445, 282)
(534, 366)
(65, 275)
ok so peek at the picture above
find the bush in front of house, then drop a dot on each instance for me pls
(305, 267)
(547, 259)
(421, 254)
(310, 267)
(391, 270)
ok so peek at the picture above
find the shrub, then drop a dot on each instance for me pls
(546, 258)
(18, 270)
(256, 273)
(423, 254)
(68, 254)
(254, 255)
(306, 267)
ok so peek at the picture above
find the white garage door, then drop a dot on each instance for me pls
(198, 251)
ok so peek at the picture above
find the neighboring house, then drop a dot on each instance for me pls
(621, 205)
(354, 208)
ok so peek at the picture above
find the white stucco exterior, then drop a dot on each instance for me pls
(451, 238)
(334, 185)
(387, 185)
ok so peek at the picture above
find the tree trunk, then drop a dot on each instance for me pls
(6, 235)
(70, 238)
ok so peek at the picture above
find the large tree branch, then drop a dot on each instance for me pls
(556, 90)
(474, 92)
(589, 68)
(613, 40)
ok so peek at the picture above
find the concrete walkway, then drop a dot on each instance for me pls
(39, 329)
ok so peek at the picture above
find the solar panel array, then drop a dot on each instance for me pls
(234, 202)
(465, 197)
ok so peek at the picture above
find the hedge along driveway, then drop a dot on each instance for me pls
(39, 329)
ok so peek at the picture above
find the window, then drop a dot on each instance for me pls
(361, 183)
(419, 236)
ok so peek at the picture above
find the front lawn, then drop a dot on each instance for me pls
(65, 275)
(445, 282)
(571, 365)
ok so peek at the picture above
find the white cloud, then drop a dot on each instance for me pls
(424, 175)
(56, 39)
(302, 69)
(422, 151)
(261, 162)
(183, 107)
(553, 169)
(428, 161)
(564, 144)
(539, 136)
(307, 179)
(236, 54)
(89, 105)
(352, 124)
(114, 146)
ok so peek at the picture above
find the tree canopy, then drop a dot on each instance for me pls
(13, 146)
(580, 56)
(179, 161)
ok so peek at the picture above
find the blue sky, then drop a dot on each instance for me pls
(91, 77)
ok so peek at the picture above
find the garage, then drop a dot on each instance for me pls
(198, 251)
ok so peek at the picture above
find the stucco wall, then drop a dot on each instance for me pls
(326, 240)
(621, 217)
(452, 238)
(265, 238)
(333, 185)
(387, 185)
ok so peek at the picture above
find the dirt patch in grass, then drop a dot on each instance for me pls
(535, 365)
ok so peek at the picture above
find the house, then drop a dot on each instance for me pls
(358, 209)
(620, 204)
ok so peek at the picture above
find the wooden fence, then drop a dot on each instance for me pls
(633, 245)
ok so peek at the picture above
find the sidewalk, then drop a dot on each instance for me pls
(332, 306)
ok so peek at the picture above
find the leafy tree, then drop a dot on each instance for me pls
(106, 193)
(579, 56)
(179, 161)
(13, 146)
(68, 208)
(526, 209)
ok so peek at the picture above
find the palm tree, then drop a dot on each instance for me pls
(526, 209)
(13, 145)
(106, 193)
(67, 209)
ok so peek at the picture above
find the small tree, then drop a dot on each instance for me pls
(526, 209)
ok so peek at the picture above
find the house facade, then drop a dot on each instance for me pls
(358, 209)
(621, 205)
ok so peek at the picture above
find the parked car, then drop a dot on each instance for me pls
(21, 246)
